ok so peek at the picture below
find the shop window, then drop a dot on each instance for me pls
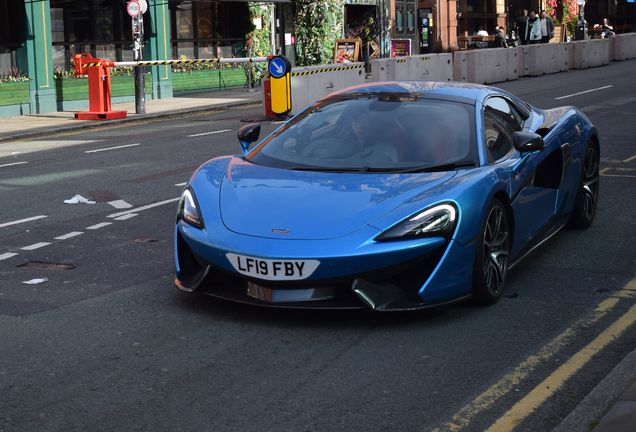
(10, 32)
(99, 27)
(207, 30)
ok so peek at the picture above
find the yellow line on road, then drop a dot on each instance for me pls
(630, 159)
(604, 170)
(618, 175)
(551, 384)
(510, 381)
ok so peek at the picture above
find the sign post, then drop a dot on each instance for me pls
(135, 10)
(280, 84)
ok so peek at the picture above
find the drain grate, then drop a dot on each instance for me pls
(41, 265)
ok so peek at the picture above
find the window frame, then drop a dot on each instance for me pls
(519, 117)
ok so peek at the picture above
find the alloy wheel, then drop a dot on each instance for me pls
(590, 182)
(495, 250)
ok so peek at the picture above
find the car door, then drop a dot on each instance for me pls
(533, 202)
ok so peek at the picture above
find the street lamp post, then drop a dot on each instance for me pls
(581, 26)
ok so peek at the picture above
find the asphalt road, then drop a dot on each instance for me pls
(111, 344)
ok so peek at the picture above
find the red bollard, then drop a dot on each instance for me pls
(98, 88)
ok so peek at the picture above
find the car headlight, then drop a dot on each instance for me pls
(189, 208)
(437, 221)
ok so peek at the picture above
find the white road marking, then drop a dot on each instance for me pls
(181, 184)
(7, 255)
(583, 92)
(112, 148)
(99, 225)
(126, 216)
(149, 206)
(12, 164)
(209, 133)
(69, 235)
(22, 221)
(36, 246)
(120, 204)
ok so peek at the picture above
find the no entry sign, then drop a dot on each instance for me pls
(133, 8)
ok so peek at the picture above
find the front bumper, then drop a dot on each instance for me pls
(380, 276)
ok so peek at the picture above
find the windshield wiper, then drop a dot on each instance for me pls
(439, 168)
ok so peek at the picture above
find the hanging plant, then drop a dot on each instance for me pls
(318, 24)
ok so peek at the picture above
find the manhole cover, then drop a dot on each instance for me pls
(41, 265)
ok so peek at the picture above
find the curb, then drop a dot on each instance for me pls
(12, 136)
(601, 398)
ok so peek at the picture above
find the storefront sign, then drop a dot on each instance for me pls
(347, 51)
(400, 47)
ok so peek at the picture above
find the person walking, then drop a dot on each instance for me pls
(533, 29)
(547, 27)
(520, 26)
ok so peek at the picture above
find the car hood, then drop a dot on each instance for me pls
(302, 205)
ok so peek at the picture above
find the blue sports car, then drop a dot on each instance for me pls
(390, 196)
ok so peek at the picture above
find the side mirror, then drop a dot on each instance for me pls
(528, 142)
(247, 135)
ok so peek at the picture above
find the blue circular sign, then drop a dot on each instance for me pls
(277, 67)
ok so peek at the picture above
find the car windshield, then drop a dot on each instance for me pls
(374, 132)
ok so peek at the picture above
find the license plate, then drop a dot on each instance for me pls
(269, 269)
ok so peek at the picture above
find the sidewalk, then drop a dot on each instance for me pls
(620, 416)
(29, 126)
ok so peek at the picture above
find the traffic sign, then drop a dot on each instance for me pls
(144, 6)
(280, 84)
(278, 67)
(134, 8)
(580, 2)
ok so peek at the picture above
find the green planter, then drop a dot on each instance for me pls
(14, 93)
(212, 79)
(72, 89)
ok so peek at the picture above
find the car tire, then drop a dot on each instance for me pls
(491, 257)
(586, 200)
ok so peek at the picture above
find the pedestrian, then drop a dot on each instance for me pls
(500, 38)
(607, 29)
(481, 32)
(520, 25)
(547, 27)
(533, 29)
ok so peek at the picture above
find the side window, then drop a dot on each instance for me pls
(500, 124)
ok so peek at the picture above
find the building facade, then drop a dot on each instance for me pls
(38, 38)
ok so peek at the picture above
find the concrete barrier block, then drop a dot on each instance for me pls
(513, 63)
(435, 67)
(547, 58)
(591, 53)
(485, 66)
(570, 46)
(460, 66)
(523, 69)
(624, 46)
(382, 70)
(310, 83)
(400, 68)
